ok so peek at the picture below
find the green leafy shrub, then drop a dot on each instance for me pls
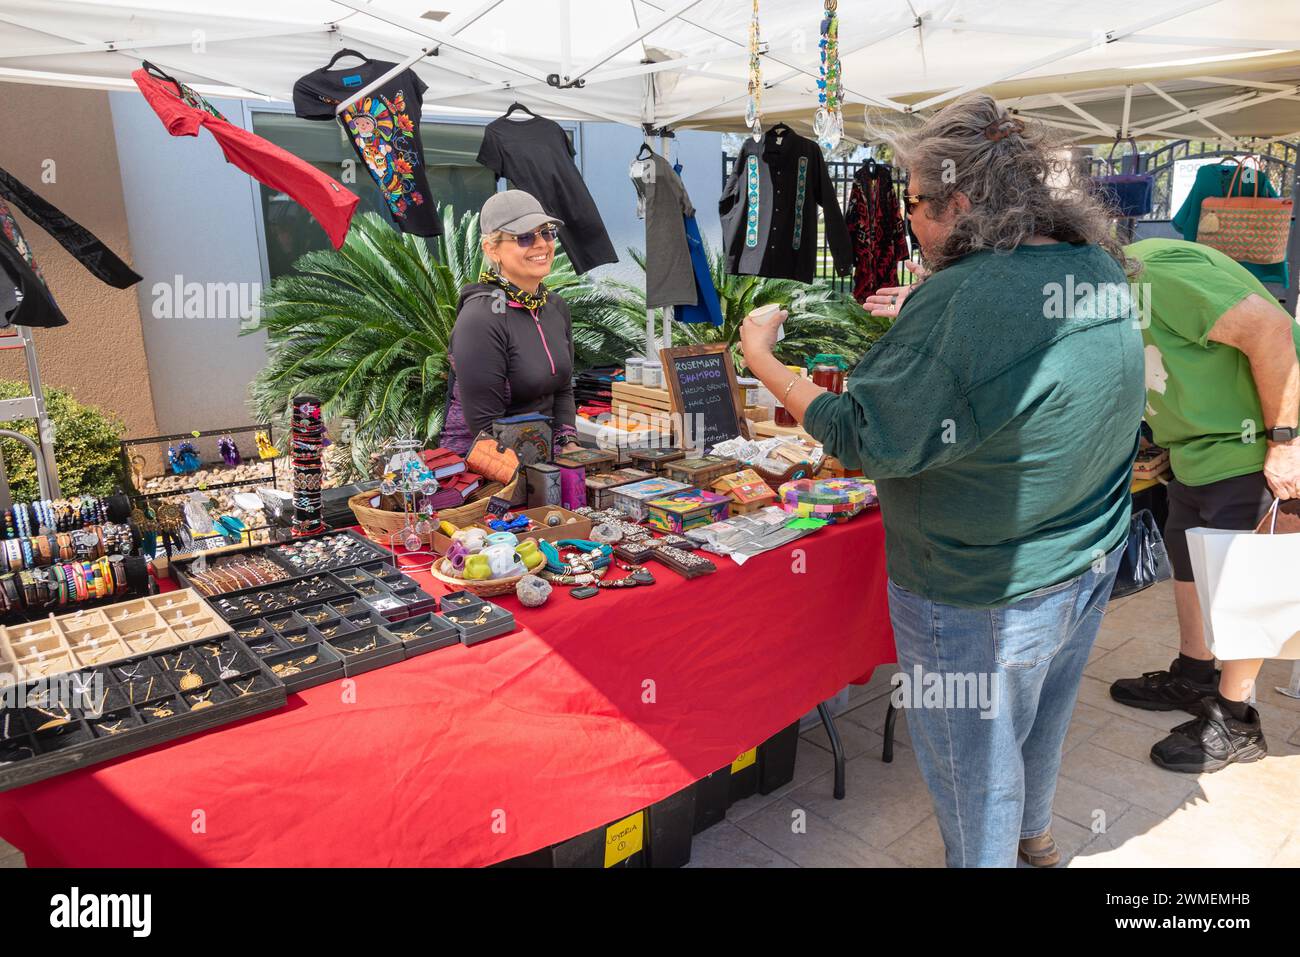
(86, 446)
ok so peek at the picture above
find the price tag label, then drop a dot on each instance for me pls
(624, 838)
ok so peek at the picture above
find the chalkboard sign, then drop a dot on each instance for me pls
(702, 382)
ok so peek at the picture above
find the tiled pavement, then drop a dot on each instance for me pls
(1114, 808)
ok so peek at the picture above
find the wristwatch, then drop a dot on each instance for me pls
(1281, 433)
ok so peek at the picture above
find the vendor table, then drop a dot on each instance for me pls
(468, 756)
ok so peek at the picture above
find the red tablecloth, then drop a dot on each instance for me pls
(466, 756)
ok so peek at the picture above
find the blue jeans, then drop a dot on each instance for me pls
(1001, 686)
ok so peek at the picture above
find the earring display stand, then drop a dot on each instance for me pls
(144, 455)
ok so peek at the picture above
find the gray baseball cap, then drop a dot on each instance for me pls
(515, 212)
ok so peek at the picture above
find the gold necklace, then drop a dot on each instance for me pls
(159, 711)
(113, 728)
(286, 668)
(199, 702)
(59, 720)
(244, 692)
(357, 651)
(481, 619)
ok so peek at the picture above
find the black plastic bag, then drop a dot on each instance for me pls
(1145, 561)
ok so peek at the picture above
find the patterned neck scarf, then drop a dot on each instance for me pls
(526, 299)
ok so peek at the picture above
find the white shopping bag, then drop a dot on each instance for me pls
(1249, 588)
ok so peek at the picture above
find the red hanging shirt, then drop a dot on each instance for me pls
(330, 202)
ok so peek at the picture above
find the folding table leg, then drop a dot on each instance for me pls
(837, 749)
(887, 752)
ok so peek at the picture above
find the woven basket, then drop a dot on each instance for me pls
(490, 588)
(379, 524)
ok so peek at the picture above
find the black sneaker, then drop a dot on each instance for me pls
(1212, 741)
(1164, 690)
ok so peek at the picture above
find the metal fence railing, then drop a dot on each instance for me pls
(841, 174)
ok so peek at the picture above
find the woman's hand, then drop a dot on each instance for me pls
(759, 339)
(888, 300)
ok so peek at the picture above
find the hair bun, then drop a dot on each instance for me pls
(1003, 127)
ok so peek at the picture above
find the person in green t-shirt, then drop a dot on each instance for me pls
(999, 418)
(1223, 395)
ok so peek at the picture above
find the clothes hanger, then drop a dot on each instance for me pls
(516, 105)
(159, 74)
(346, 51)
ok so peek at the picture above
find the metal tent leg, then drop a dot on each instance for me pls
(891, 715)
(837, 749)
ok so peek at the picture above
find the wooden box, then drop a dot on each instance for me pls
(595, 461)
(580, 527)
(748, 492)
(700, 471)
(600, 494)
(655, 460)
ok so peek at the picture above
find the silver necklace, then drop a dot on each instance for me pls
(226, 670)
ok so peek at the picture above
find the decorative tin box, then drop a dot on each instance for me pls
(543, 484)
(687, 509)
(700, 471)
(600, 487)
(631, 499)
(593, 460)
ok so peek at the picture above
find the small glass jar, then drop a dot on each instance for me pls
(632, 371)
(652, 375)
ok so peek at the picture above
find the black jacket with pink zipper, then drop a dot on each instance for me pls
(507, 360)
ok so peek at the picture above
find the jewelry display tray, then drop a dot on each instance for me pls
(378, 587)
(102, 636)
(28, 755)
(364, 553)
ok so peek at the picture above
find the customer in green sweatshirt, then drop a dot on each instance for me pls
(999, 417)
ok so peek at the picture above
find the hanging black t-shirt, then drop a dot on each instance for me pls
(384, 127)
(536, 156)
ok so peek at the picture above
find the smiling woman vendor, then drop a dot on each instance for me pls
(512, 345)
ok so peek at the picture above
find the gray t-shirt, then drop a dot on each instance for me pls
(669, 276)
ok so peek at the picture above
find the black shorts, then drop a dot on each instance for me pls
(1237, 503)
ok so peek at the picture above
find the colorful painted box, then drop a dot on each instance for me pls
(687, 509)
(631, 499)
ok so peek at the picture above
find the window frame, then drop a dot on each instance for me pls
(250, 108)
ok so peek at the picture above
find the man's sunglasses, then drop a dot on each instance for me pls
(914, 201)
(525, 240)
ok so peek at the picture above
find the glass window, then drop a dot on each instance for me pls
(455, 178)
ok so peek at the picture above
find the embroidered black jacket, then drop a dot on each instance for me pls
(769, 209)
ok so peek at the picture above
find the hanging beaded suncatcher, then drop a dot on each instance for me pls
(828, 123)
(755, 79)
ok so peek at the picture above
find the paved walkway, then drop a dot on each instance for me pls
(1114, 808)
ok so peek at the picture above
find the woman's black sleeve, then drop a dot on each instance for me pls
(479, 354)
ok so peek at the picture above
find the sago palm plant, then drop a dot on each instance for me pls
(366, 328)
(820, 318)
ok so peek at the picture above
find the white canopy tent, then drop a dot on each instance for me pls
(1223, 69)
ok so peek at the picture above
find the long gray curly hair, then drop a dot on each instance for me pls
(1006, 167)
